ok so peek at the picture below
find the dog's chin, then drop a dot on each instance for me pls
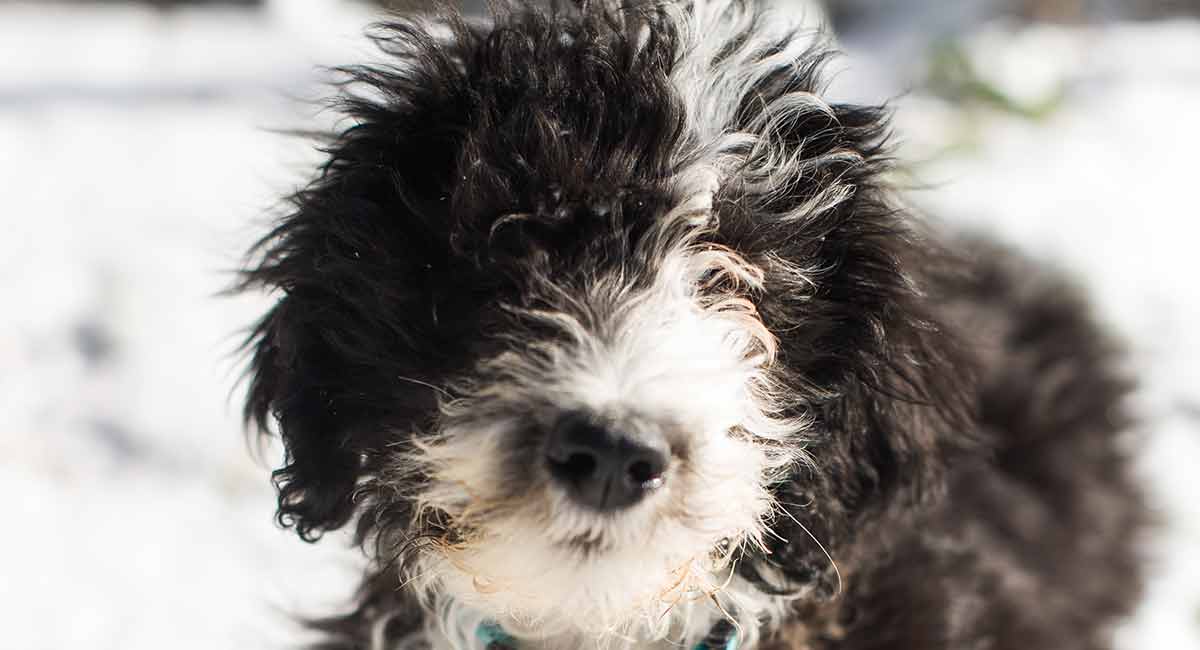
(543, 583)
(546, 591)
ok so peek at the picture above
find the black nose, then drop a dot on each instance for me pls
(602, 467)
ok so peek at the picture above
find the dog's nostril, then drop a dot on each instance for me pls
(646, 474)
(601, 467)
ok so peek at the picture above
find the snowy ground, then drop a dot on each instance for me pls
(136, 164)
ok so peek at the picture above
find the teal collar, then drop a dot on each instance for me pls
(723, 637)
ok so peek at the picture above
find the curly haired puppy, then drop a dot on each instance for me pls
(603, 329)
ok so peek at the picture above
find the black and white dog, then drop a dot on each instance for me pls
(603, 328)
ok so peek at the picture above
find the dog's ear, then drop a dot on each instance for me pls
(886, 387)
(861, 351)
(346, 363)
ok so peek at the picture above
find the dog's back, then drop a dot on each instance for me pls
(1054, 524)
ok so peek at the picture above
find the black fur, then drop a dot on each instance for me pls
(971, 481)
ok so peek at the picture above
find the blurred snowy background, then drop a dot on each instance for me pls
(138, 159)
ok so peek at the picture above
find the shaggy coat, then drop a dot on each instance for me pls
(885, 437)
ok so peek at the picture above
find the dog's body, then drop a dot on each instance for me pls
(604, 329)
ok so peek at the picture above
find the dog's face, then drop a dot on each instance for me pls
(567, 306)
(609, 450)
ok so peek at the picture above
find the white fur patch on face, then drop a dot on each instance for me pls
(687, 351)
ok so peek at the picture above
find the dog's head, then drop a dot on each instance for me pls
(589, 313)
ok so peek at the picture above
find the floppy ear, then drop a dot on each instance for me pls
(886, 387)
(347, 359)
(861, 353)
(366, 323)
(866, 359)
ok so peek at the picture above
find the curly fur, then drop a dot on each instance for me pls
(883, 438)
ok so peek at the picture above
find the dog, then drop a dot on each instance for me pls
(601, 327)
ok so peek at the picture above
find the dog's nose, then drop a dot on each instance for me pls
(602, 467)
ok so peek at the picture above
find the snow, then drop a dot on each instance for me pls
(138, 162)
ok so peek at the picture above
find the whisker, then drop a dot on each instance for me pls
(821, 546)
(437, 389)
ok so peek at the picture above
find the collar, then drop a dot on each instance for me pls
(723, 636)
